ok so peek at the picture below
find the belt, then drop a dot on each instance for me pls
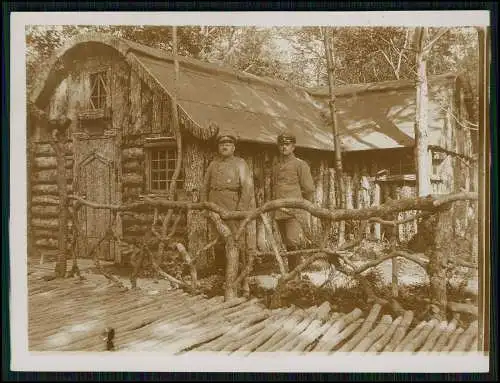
(224, 188)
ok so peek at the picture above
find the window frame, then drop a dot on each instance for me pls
(152, 145)
(103, 77)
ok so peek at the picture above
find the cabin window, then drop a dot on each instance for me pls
(98, 90)
(161, 163)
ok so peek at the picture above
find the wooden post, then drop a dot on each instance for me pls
(376, 202)
(336, 136)
(196, 222)
(440, 226)
(421, 116)
(394, 239)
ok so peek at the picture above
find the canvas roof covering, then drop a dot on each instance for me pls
(370, 116)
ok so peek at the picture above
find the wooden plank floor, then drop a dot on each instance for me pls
(71, 315)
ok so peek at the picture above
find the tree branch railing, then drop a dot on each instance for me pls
(335, 256)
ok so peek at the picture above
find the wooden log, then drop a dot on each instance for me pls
(444, 336)
(45, 211)
(42, 233)
(41, 163)
(45, 149)
(417, 341)
(374, 335)
(51, 243)
(196, 221)
(433, 337)
(378, 345)
(132, 166)
(65, 324)
(332, 200)
(163, 327)
(367, 325)
(197, 338)
(191, 324)
(48, 189)
(237, 317)
(327, 342)
(344, 334)
(133, 179)
(323, 330)
(232, 256)
(349, 201)
(453, 339)
(236, 331)
(410, 336)
(318, 174)
(49, 176)
(126, 323)
(45, 200)
(176, 313)
(466, 339)
(71, 317)
(133, 153)
(256, 336)
(228, 344)
(313, 332)
(292, 335)
(277, 336)
(463, 308)
(45, 223)
(438, 258)
(400, 331)
(258, 167)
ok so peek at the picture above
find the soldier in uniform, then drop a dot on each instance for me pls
(291, 178)
(228, 183)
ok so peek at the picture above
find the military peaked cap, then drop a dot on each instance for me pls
(287, 138)
(226, 138)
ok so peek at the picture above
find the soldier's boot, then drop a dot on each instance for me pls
(220, 261)
(293, 262)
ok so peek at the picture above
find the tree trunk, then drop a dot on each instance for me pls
(440, 235)
(196, 222)
(421, 116)
(329, 52)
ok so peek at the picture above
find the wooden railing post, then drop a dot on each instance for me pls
(439, 230)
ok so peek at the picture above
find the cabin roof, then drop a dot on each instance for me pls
(370, 116)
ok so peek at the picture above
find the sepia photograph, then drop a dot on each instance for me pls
(243, 188)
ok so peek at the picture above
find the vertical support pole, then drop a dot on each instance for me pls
(336, 136)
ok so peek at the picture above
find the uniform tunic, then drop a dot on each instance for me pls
(291, 178)
(229, 184)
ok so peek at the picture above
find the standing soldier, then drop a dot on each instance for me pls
(228, 183)
(291, 178)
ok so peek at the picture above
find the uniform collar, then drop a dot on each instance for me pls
(224, 159)
(286, 159)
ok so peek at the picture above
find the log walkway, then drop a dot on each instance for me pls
(71, 315)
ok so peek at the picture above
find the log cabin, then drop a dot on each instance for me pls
(120, 145)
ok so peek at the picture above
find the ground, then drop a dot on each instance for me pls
(320, 283)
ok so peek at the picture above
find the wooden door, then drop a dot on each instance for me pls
(97, 164)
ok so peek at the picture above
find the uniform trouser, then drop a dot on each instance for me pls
(292, 234)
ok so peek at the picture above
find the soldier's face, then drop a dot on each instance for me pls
(226, 149)
(286, 148)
